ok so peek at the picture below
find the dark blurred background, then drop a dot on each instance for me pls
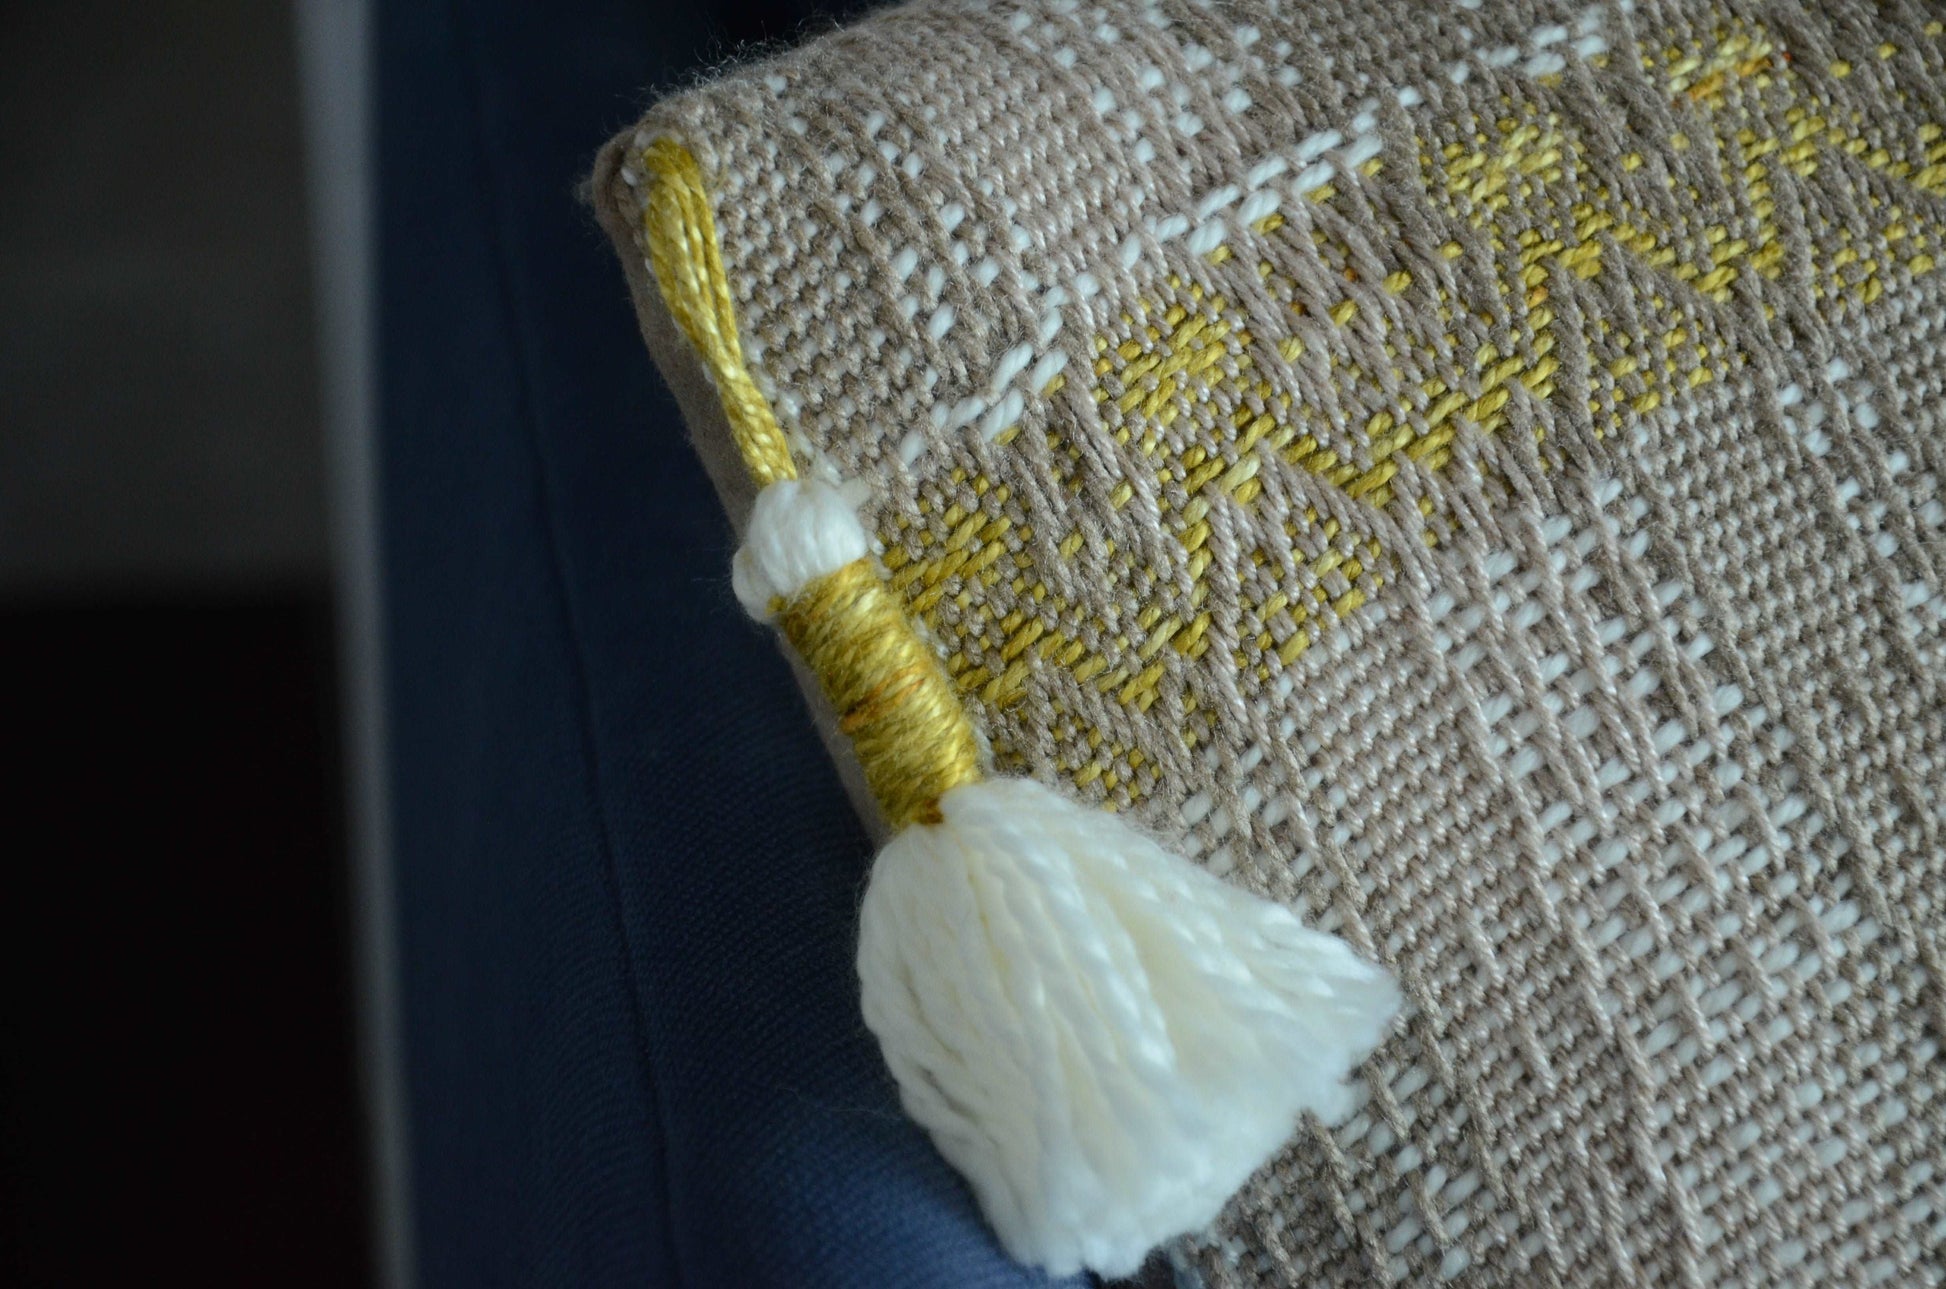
(184, 599)
(179, 1080)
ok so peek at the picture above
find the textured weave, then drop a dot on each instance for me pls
(1473, 474)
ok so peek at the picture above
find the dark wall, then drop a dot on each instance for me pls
(177, 1078)
(178, 1073)
(157, 375)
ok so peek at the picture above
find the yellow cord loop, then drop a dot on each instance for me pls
(892, 697)
(681, 233)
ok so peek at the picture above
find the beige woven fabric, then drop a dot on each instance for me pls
(1473, 473)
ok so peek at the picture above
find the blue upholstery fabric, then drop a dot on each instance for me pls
(627, 875)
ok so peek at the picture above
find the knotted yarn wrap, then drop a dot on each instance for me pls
(805, 564)
(893, 700)
(799, 531)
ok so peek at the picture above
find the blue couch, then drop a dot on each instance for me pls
(626, 875)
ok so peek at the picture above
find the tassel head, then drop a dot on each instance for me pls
(805, 564)
(1102, 1037)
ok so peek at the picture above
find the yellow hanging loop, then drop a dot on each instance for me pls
(681, 234)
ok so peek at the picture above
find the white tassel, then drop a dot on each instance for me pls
(1105, 1039)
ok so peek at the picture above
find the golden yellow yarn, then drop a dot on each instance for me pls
(681, 234)
(892, 697)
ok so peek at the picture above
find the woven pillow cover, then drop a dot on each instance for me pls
(1469, 473)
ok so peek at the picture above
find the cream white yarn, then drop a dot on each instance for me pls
(799, 530)
(1105, 1039)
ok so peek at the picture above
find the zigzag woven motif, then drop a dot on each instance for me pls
(1472, 473)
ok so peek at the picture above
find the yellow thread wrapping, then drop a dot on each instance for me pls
(688, 265)
(892, 697)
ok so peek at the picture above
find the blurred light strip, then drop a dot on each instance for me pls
(335, 65)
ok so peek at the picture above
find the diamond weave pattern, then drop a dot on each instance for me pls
(1471, 472)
